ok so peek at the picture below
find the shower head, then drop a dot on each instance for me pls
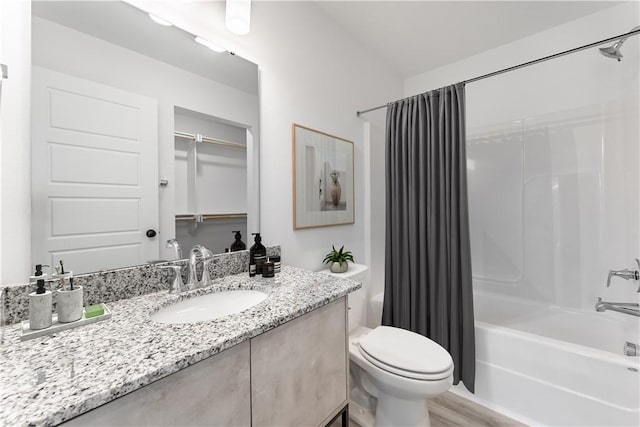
(614, 51)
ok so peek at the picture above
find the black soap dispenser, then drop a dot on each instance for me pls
(40, 302)
(238, 245)
(257, 256)
(40, 276)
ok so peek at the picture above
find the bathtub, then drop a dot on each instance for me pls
(552, 366)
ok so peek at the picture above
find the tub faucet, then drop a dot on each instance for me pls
(625, 274)
(621, 307)
(198, 252)
(631, 349)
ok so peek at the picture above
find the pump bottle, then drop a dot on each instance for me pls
(257, 256)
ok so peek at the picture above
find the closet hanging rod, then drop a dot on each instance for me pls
(210, 217)
(525, 64)
(198, 137)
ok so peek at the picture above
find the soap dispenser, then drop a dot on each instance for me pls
(257, 256)
(40, 302)
(238, 245)
(69, 300)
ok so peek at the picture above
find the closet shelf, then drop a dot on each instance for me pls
(201, 138)
(210, 217)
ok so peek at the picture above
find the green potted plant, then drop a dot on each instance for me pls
(338, 259)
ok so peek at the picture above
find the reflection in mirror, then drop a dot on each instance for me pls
(211, 180)
(139, 136)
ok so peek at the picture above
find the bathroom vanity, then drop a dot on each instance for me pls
(281, 362)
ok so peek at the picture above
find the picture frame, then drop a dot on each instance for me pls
(323, 179)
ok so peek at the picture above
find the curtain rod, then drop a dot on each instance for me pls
(525, 64)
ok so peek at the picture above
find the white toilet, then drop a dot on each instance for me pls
(393, 371)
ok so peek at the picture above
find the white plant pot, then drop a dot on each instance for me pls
(69, 305)
(335, 267)
(40, 310)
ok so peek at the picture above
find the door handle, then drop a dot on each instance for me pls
(151, 233)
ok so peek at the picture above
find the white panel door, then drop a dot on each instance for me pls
(95, 174)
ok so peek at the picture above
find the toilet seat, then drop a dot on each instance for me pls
(406, 354)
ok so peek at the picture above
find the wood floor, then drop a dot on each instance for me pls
(450, 410)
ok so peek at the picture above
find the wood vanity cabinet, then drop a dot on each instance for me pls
(292, 375)
(215, 391)
(299, 370)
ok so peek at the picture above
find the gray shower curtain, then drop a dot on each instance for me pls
(428, 286)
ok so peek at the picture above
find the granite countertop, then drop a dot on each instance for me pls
(48, 380)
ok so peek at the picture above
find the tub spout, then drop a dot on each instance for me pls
(621, 307)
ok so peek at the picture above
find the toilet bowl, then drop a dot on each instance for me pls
(402, 370)
(394, 372)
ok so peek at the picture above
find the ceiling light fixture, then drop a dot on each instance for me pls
(214, 47)
(159, 20)
(238, 16)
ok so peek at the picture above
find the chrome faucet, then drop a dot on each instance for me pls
(198, 252)
(175, 245)
(621, 307)
(206, 278)
(625, 274)
(177, 285)
(631, 349)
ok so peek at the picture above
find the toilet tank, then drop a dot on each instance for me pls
(357, 300)
(375, 310)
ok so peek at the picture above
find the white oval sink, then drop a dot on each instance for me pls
(209, 307)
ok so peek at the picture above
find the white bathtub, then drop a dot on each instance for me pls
(551, 366)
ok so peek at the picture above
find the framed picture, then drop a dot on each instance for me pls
(322, 179)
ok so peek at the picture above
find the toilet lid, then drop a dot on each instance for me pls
(406, 353)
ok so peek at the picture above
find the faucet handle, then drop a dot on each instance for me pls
(625, 274)
(609, 276)
(206, 277)
(177, 285)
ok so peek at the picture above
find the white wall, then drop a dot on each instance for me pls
(314, 75)
(563, 135)
(15, 147)
(543, 87)
(311, 73)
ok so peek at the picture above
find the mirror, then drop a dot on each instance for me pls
(139, 135)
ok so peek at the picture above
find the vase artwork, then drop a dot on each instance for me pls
(336, 189)
(323, 179)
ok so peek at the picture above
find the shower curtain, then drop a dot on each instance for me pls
(428, 286)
